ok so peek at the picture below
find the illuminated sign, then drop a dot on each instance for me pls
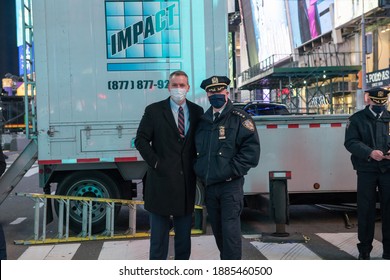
(19, 41)
(379, 78)
(271, 30)
(310, 19)
(348, 10)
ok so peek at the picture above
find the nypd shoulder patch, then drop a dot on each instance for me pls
(248, 124)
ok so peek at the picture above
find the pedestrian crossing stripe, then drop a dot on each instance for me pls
(203, 248)
(285, 251)
(50, 252)
(347, 241)
(125, 250)
(32, 171)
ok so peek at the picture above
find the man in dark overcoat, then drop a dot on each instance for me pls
(165, 140)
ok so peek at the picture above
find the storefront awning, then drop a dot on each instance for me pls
(295, 77)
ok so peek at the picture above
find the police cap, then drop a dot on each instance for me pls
(215, 83)
(378, 95)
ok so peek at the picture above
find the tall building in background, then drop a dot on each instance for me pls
(8, 46)
(309, 52)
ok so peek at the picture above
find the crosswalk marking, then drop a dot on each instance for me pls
(203, 248)
(285, 251)
(32, 171)
(125, 250)
(18, 220)
(50, 252)
(347, 241)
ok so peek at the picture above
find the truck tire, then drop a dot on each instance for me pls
(88, 184)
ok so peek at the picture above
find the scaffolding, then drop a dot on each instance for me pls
(316, 77)
(28, 69)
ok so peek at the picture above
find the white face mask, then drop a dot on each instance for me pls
(178, 94)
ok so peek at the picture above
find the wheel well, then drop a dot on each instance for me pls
(125, 187)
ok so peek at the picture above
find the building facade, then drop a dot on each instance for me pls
(309, 54)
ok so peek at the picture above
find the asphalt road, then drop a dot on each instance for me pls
(314, 232)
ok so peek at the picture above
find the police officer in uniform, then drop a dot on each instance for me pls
(367, 138)
(227, 146)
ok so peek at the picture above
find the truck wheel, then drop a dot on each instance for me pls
(88, 184)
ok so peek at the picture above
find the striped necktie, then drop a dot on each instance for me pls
(180, 122)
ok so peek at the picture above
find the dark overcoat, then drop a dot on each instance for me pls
(170, 179)
(365, 133)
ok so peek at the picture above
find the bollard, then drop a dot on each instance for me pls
(279, 201)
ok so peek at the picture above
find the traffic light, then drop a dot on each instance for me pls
(360, 82)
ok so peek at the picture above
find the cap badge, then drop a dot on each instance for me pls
(381, 93)
(214, 80)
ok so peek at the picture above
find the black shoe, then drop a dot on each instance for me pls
(364, 256)
(386, 256)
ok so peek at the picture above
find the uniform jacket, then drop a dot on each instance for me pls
(227, 148)
(365, 133)
(170, 179)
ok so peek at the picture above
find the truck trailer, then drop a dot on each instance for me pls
(99, 63)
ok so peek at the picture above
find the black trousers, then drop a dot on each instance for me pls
(368, 185)
(159, 238)
(3, 248)
(224, 204)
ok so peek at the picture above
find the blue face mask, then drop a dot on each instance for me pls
(378, 108)
(217, 100)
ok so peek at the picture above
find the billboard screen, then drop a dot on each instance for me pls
(310, 19)
(271, 29)
(19, 38)
(347, 10)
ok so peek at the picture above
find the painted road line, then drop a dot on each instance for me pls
(125, 250)
(18, 221)
(50, 252)
(32, 171)
(285, 251)
(204, 248)
(347, 241)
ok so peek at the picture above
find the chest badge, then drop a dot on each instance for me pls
(222, 134)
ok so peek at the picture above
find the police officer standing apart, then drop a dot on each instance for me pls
(367, 138)
(227, 146)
